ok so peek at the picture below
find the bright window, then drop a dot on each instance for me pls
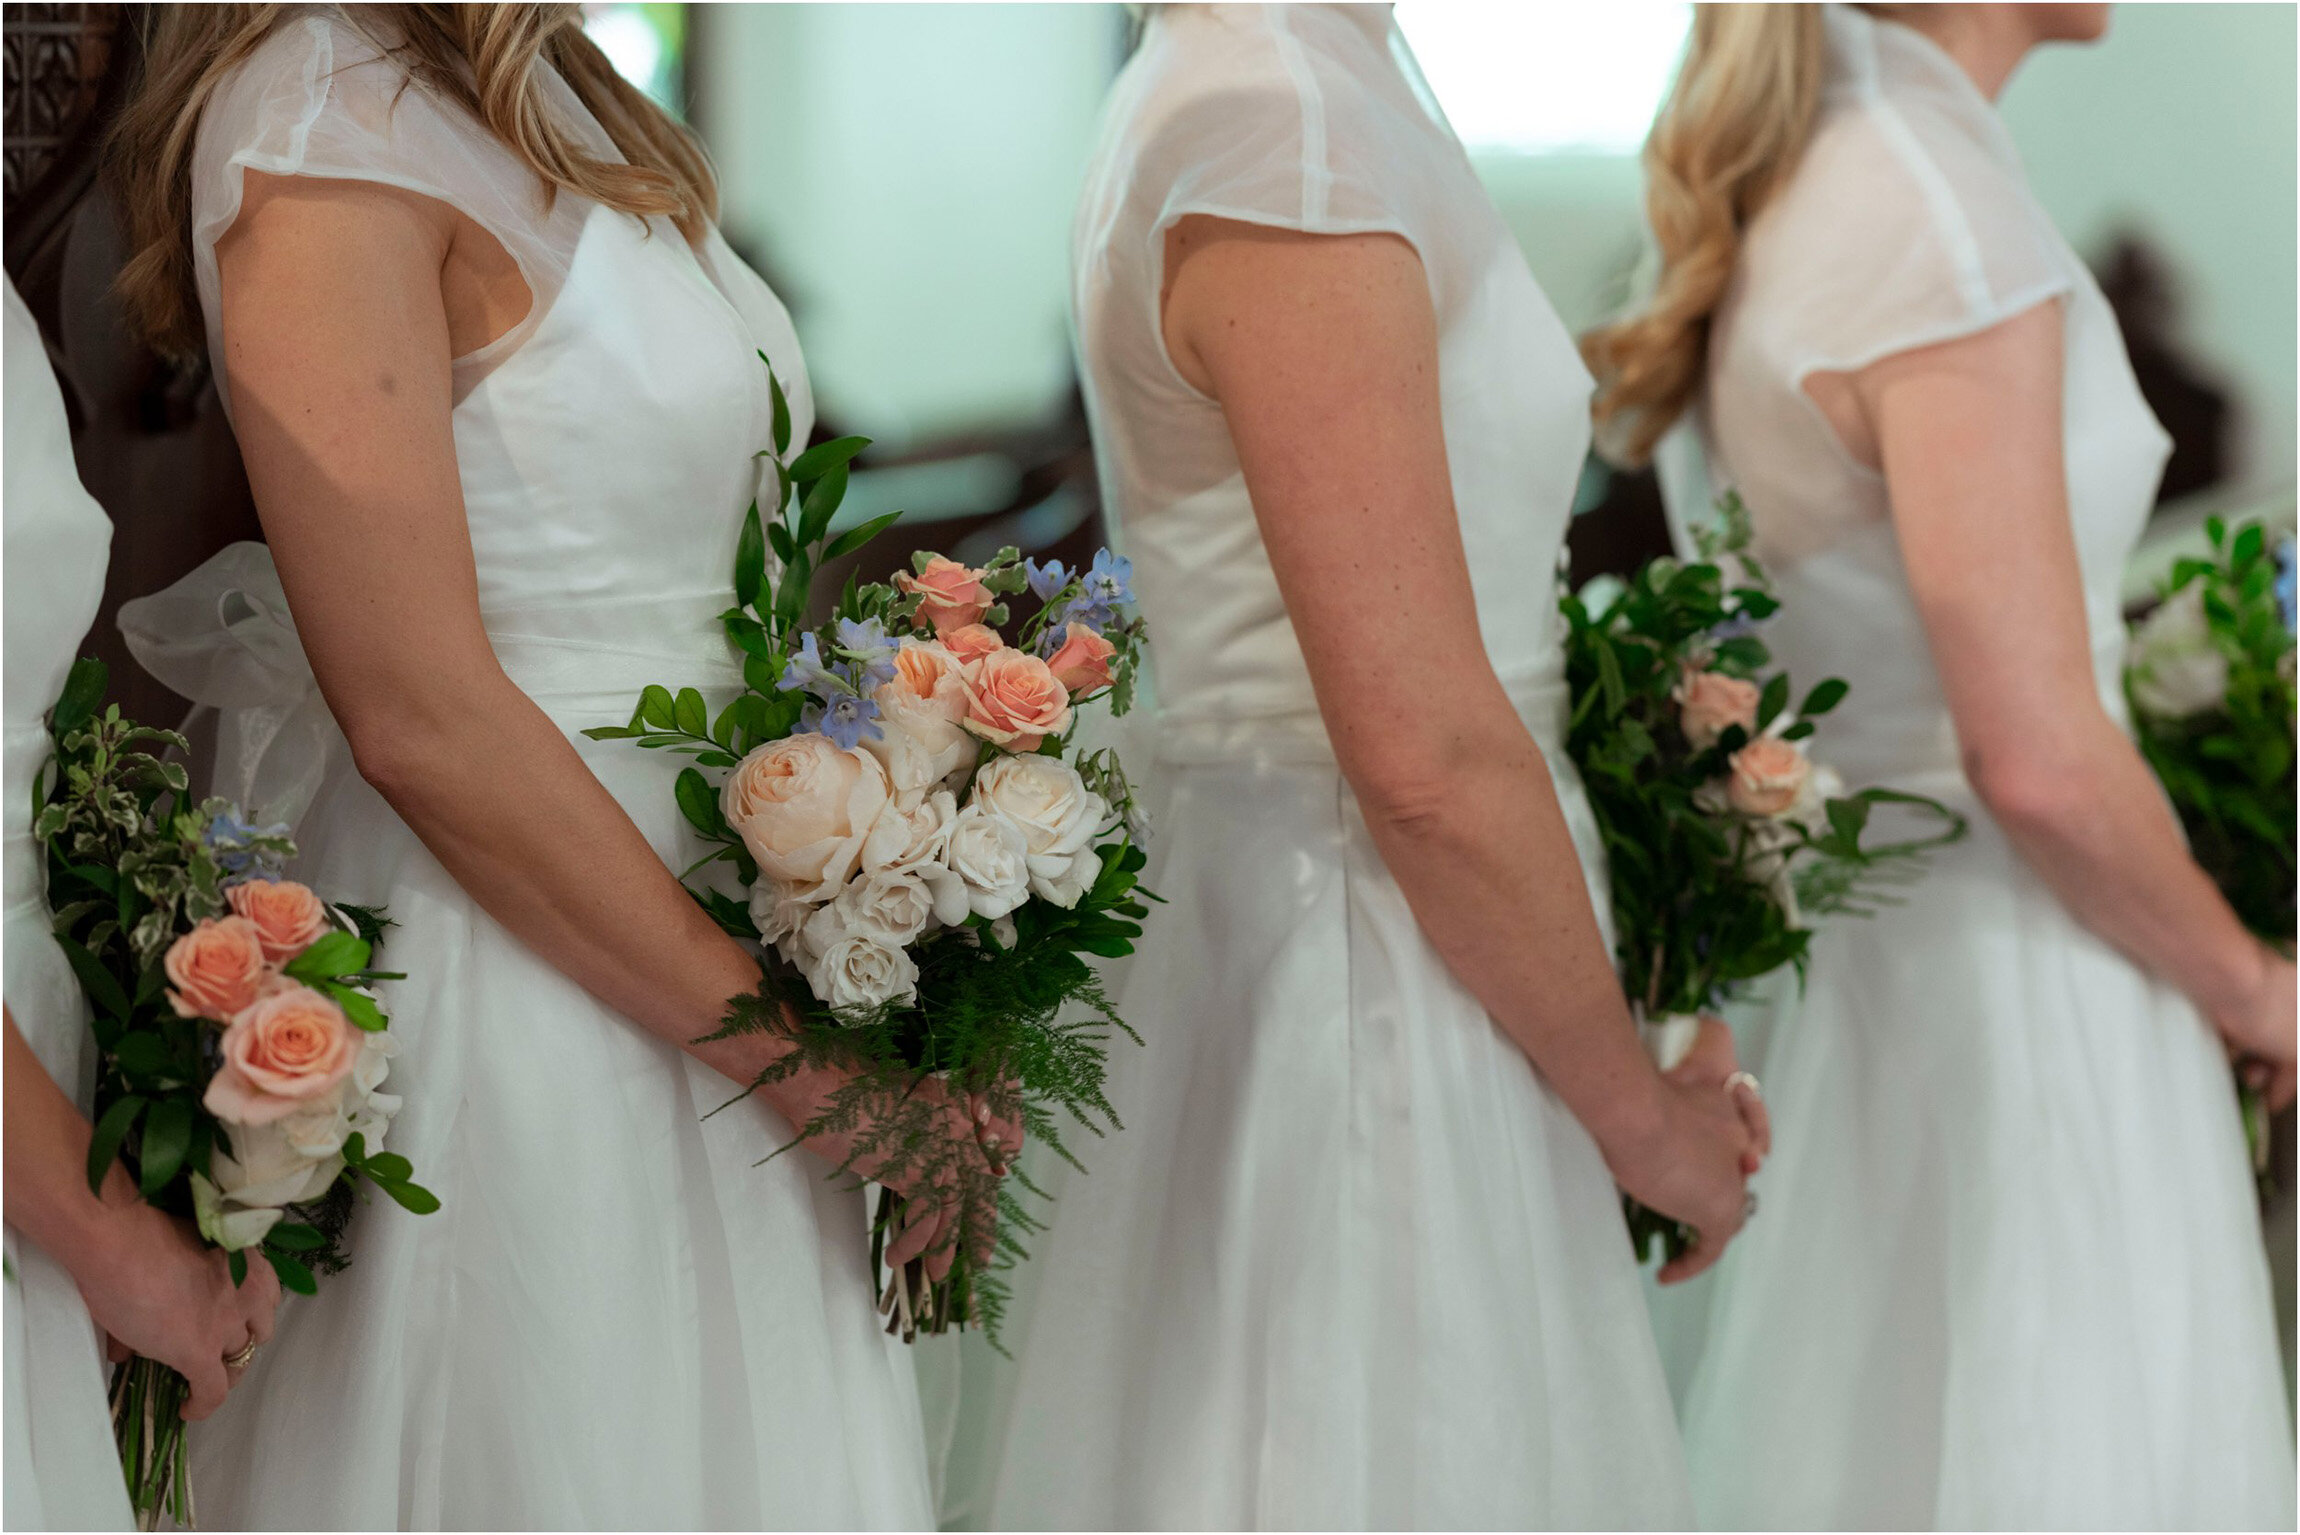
(1544, 78)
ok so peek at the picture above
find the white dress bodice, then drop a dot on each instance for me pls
(1314, 118)
(1909, 222)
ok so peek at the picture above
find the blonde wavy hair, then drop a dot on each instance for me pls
(1726, 140)
(485, 57)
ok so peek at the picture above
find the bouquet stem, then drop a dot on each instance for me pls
(911, 1302)
(148, 1425)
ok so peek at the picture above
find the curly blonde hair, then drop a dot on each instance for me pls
(1726, 140)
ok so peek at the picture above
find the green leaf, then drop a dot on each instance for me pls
(823, 457)
(779, 539)
(855, 537)
(167, 1136)
(1773, 700)
(83, 691)
(412, 1197)
(1824, 697)
(293, 1275)
(358, 1007)
(99, 983)
(145, 1054)
(782, 410)
(388, 1167)
(691, 714)
(104, 1144)
(331, 955)
(699, 804)
(761, 674)
(750, 559)
(291, 1236)
(656, 708)
(821, 503)
(1848, 818)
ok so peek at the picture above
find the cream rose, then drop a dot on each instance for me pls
(1046, 800)
(950, 595)
(909, 839)
(921, 740)
(1014, 701)
(284, 1054)
(1708, 703)
(2176, 669)
(803, 807)
(1766, 777)
(990, 863)
(288, 917)
(859, 970)
(777, 910)
(216, 969)
(893, 906)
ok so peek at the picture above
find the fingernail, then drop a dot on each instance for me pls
(982, 1113)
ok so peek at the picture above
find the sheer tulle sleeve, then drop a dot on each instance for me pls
(1909, 221)
(320, 97)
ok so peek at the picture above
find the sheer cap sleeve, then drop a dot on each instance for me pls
(1909, 220)
(322, 97)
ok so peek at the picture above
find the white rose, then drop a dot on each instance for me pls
(286, 1161)
(893, 906)
(778, 910)
(803, 808)
(2176, 669)
(1058, 816)
(905, 839)
(989, 864)
(859, 970)
(921, 740)
(367, 1111)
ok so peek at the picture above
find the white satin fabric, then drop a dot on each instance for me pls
(1350, 1264)
(62, 1472)
(618, 1318)
(2008, 1272)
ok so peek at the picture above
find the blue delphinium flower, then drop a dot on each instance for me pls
(846, 718)
(232, 841)
(808, 674)
(2285, 557)
(1047, 579)
(870, 653)
(1109, 580)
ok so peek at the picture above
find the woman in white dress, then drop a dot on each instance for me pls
(497, 383)
(1357, 1259)
(80, 1268)
(2010, 1272)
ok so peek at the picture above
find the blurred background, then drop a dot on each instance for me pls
(904, 176)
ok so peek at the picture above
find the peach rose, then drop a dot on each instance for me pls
(803, 807)
(1082, 663)
(1708, 703)
(1768, 775)
(287, 915)
(216, 969)
(920, 741)
(971, 642)
(1014, 700)
(950, 595)
(282, 1055)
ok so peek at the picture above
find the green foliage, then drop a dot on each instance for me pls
(1706, 899)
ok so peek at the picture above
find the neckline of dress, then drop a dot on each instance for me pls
(1877, 32)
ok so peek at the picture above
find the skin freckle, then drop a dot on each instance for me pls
(387, 384)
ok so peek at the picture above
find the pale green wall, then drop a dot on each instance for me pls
(909, 170)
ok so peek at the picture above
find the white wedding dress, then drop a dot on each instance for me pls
(617, 1319)
(1349, 1264)
(62, 1472)
(2008, 1271)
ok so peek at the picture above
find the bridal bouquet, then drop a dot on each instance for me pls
(1724, 836)
(926, 855)
(240, 1049)
(2210, 681)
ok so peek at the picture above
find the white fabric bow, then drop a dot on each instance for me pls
(223, 637)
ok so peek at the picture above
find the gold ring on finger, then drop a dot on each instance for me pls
(241, 1359)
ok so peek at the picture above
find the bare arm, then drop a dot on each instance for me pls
(146, 1278)
(1323, 354)
(1970, 437)
(343, 305)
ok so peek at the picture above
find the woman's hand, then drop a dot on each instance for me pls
(159, 1292)
(2259, 1025)
(1712, 1133)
